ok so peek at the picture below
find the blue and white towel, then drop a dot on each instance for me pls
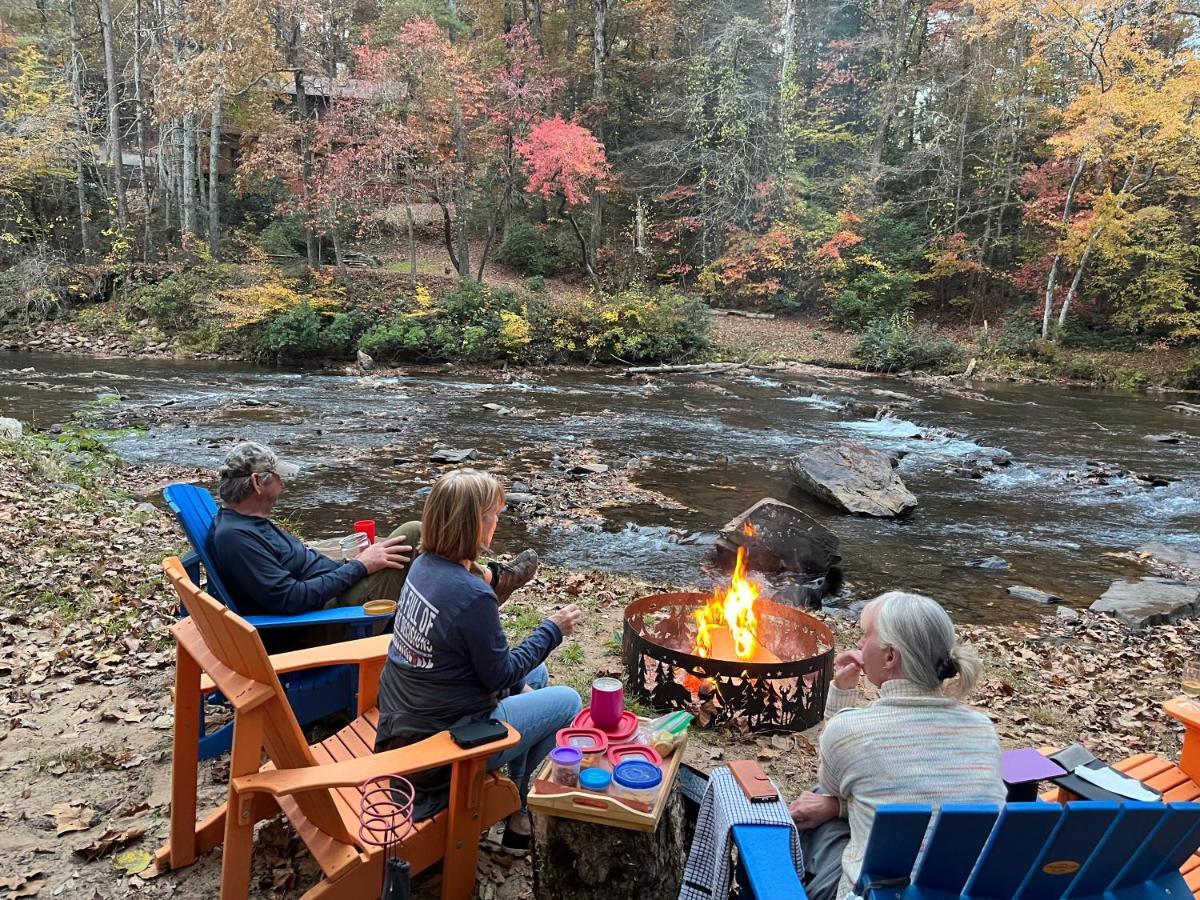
(707, 874)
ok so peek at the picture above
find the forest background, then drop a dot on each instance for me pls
(1021, 175)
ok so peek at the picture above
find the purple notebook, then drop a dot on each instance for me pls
(1023, 766)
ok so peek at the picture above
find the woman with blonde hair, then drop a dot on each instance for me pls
(449, 662)
(917, 743)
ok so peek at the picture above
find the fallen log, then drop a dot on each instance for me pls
(694, 368)
(743, 313)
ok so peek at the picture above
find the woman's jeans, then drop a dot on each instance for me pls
(538, 715)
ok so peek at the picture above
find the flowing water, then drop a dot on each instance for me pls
(714, 451)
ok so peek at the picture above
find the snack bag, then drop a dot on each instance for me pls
(665, 733)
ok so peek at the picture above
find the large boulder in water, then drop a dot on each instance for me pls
(779, 538)
(1149, 601)
(854, 478)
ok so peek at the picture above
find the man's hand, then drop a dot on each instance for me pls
(846, 668)
(810, 810)
(386, 554)
(567, 618)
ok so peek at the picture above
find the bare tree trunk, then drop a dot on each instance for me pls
(894, 56)
(1073, 290)
(310, 239)
(214, 165)
(1052, 278)
(412, 243)
(461, 197)
(583, 247)
(112, 101)
(81, 125)
(201, 183)
(187, 184)
(787, 63)
(572, 48)
(140, 113)
(501, 211)
(599, 53)
(337, 252)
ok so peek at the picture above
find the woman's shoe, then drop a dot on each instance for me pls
(518, 573)
(515, 844)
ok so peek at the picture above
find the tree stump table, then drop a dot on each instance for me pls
(575, 860)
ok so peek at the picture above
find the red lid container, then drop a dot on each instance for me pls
(589, 740)
(619, 753)
(625, 728)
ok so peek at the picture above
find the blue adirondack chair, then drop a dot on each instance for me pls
(1031, 851)
(314, 694)
(1034, 850)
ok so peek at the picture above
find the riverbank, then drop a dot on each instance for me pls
(101, 331)
(89, 665)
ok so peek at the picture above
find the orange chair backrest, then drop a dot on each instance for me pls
(237, 645)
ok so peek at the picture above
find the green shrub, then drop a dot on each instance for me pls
(538, 249)
(1189, 378)
(524, 249)
(1082, 368)
(292, 334)
(890, 345)
(283, 237)
(179, 302)
(876, 292)
(637, 325)
(341, 335)
(1020, 339)
(535, 283)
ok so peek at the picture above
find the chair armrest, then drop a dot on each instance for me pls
(1187, 711)
(352, 653)
(341, 615)
(765, 860)
(439, 750)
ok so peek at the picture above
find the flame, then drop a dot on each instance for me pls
(749, 530)
(734, 609)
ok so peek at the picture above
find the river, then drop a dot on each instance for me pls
(364, 445)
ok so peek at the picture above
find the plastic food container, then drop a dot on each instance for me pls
(564, 765)
(590, 741)
(619, 753)
(637, 780)
(596, 780)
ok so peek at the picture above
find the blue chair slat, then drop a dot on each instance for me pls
(1133, 826)
(950, 854)
(764, 862)
(1080, 831)
(1009, 853)
(1187, 845)
(893, 844)
(1163, 843)
(313, 694)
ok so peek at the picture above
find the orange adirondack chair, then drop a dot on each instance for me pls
(1178, 783)
(315, 786)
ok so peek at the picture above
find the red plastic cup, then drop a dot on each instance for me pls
(608, 703)
(367, 527)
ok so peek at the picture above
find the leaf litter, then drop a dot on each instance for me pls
(86, 671)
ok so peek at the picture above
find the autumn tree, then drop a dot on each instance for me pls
(565, 161)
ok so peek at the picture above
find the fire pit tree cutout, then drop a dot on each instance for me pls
(734, 659)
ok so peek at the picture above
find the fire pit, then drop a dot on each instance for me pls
(732, 658)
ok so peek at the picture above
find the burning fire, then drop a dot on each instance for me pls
(732, 609)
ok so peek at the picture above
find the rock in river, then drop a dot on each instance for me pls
(1149, 601)
(1033, 594)
(779, 538)
(853, 478)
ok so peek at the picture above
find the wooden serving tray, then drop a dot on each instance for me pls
(552, 799)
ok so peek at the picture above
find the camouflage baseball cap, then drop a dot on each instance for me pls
(247, 458)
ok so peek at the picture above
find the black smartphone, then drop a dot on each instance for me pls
(473, 734)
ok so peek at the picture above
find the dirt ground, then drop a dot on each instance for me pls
(86, 667)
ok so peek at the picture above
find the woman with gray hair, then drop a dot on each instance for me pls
(917, 743)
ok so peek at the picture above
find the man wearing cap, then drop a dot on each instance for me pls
(270, 571)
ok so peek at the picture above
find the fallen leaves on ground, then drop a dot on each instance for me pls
(111, 840)
(70, 817)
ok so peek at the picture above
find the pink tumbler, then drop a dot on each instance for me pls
(608, 703)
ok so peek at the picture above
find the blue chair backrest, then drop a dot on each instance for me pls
(195, 509)
(1031, 851)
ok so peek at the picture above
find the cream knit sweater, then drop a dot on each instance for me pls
(909, 746)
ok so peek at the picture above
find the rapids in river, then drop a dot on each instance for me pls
(711, 447)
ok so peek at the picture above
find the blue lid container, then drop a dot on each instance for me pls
(638, 775)
(595, 779)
